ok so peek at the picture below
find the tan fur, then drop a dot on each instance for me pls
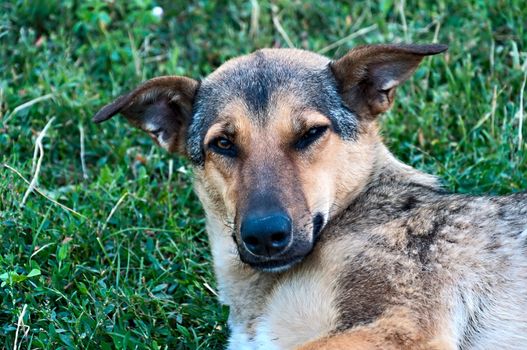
(393, 332)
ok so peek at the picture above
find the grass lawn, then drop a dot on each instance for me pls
(109, 251)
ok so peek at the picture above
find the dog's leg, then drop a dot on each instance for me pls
(397, 332)
(362, 340)
(370, 340)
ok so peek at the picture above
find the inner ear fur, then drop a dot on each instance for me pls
(368, 75)
(161, 106)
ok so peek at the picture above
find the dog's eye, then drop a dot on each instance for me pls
(223, 143)
(223, 146)
(310, 136)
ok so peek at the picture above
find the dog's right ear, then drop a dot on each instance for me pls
(368, 75)
(161, 106)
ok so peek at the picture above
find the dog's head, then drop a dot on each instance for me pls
(280, 139)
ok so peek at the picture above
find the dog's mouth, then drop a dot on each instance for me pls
(276, 266)
(318, 223)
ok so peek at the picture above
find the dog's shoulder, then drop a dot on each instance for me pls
(403, 239)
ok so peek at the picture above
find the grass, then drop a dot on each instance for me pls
(110, 252)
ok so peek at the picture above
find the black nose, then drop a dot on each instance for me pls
(266, 235)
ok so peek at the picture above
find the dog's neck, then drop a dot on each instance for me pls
(386, 165)
(382, 165)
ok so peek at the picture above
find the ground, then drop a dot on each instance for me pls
(109, 249)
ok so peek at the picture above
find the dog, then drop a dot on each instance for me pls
(321, 238)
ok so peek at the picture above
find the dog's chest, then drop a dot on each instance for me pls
(299, 308)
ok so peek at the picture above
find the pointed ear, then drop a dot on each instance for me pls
(368, 75)
(161, 106)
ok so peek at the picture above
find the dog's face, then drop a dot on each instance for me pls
(280, 139)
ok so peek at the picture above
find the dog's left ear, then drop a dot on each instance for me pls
(368, 75)
(161, 106)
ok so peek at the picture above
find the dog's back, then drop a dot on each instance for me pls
(457, 263)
